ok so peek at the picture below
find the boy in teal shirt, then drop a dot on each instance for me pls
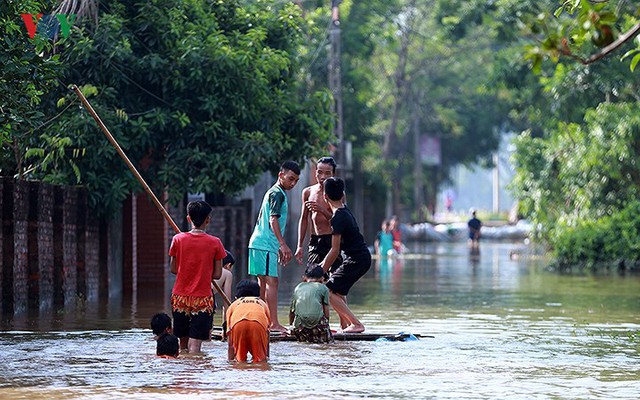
(267, 246)
(309, 313)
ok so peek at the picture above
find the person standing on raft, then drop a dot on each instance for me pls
(346, 237)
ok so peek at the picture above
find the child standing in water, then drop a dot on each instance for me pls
(196, 259)
(384, 240)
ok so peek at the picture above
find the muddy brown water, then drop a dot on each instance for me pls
(502, 327)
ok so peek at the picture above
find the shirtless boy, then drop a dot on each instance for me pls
(316, 210)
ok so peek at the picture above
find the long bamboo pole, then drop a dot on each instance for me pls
(135, 173)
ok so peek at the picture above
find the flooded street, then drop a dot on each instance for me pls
(502, 327)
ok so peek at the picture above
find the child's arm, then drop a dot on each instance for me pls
(302, 226)
(226, 285)
(325, 308)
(217, 270)
(333, 253)
(174, 267)
(292, 316)
(231, 353)
(284, 249)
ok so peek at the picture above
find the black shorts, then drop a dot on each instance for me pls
(196, 326)
(348, 273)
(319, 247)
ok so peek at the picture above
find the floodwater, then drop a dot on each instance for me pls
(502, 327)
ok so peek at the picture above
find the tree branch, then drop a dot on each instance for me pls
(630, 34)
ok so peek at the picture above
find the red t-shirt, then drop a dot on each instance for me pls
(195, 255)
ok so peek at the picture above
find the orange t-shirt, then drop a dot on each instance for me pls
(195, 255)
(248, 308)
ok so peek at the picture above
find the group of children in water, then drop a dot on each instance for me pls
(198, 259)
(247, 319)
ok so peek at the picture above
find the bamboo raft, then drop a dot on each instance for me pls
(343, 337)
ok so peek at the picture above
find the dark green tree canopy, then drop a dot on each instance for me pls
(202, 95)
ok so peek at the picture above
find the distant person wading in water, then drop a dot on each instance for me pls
(394, 226)
(474, 225)
(384, 241)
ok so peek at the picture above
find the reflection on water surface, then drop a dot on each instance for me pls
(503, 329)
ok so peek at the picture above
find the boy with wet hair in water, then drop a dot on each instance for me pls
(160, 323)
(309, 312)
(248, 321)
(168, 346)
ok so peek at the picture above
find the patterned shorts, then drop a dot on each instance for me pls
(318, 334)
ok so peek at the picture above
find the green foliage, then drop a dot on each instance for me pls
(576, 172)
(50, 157)
(580, 30)
(580, 172)
(202, 96)
(445, 43)
(613, 240)
(29, 71)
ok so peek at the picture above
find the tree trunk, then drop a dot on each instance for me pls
(400, 82)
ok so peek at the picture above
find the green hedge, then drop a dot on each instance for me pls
(611, 241)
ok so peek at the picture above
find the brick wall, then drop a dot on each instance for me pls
(128, 220)
(45, 245)
(3, 222)
(69, 245)
(33, 270)
(92, 257)
(233, 225)
(50, 244)
(7, 245)
(152, 246)
(20, 245)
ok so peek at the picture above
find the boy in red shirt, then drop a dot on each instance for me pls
(196, 259)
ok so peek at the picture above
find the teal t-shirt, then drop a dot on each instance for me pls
(274, 203)
(385, 242)
(306, 303)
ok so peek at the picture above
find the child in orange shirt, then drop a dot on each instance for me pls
(196, 259)
(248, 324)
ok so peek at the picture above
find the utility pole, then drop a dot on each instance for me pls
(496, 183)
(335, 85)
(343, 154)
(418, 188)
